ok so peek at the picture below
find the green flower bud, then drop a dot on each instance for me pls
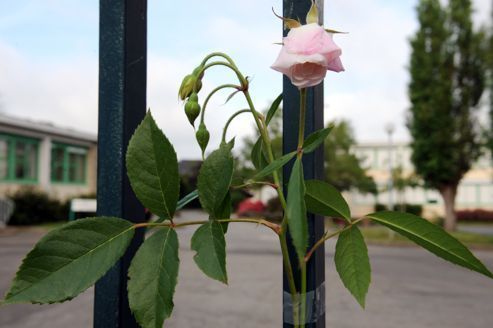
(199, 85)
(194, 97)
(186, 87)
(197, 70)
(202, 136)
(192, 108)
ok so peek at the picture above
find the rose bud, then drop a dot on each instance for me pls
(202, 136)
(186, 87)
(308, 52)
(192, 108)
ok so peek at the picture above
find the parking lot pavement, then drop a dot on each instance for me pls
(410, 289)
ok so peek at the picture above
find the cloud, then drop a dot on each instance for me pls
(372, 91)
(64, 93)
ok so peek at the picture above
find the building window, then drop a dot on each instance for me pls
(18, 159)
(68, 164)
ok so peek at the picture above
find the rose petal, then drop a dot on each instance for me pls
(335, 65)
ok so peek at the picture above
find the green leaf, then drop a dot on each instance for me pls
(183, 202)
(224, 212)
(187, 199)
(296, 210)
(215, 178)
(432, 238)
(312, 16)
(277, 164)
(209, 243)
(153, 169)
(153, 274)
(68, 260)
(314, 140)
(259, 160)
(322, 198)
(273, 109)
(353, 264)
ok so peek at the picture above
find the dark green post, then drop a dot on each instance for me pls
(313, 169)
(122, 105)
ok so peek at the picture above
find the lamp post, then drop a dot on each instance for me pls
(390, 128)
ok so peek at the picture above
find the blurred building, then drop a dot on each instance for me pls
(475, 190)
(57, 160)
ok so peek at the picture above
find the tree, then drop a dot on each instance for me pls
(401, 181)
(489, 61)
(447, 81)
(342, 168)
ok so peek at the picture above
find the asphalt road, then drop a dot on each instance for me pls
(410, 289)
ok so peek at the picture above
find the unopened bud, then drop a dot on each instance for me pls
(202, 136)
(192, 108)
(198, 70)
(186, 87)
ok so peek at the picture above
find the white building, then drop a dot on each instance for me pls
(57, 160)
(475, 190)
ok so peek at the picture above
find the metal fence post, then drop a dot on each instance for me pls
(313, 169)
(122, 105)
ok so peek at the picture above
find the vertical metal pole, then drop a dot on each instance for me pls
(313, 169)
(122, 105)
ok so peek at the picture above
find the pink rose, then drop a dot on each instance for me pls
(308, 52)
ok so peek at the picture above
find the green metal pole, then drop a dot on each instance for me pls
(122, 105)
(313, 169)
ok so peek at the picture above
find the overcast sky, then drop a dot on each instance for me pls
(49, 61)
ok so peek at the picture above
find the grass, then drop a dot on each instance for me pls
(384, 236)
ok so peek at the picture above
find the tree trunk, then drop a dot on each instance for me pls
(448, 194)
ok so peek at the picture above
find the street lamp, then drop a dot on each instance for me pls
(390, 128)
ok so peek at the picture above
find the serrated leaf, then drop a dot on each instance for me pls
(215, 178)
(273, 109)
(68, 260)
(153, 169)
(224, 212)
(314, 140)
(296, 210)
(153, 275)
(352, 263)
(183, 202)
(312, 16)
(259, 160)
(322, 198)
(275, 165)
(432, 238)
(209, 243)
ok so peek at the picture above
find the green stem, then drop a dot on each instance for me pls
(218, 54)
(209, 96)
(274, 227)
(303, 294)
(262, 128)
(223, 140)
(301, 140)
(327, 236)
(243, 80)
(301, 128)
(252, 183)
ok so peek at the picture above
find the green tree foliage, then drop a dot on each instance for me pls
(447, 81)
(489, 61)
(343, 169)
